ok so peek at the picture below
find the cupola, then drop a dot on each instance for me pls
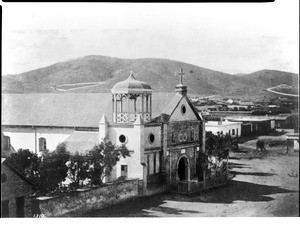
(131, 98)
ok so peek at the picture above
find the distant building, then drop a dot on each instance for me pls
(230, 101)
(286, 121)
(224, 127)
(239, 107)
(293, 142)
(257, 125)
(15, 193)
(6, 147)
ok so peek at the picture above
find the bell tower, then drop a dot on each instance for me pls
(131, 98)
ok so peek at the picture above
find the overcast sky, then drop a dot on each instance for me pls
(232, 38)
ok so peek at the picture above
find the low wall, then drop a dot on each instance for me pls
(81, 201)
(156, 183)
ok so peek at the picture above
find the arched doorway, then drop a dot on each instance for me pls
(182, 169)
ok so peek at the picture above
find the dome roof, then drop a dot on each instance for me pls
(131, 85)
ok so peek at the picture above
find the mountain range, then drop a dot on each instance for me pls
(159, 73)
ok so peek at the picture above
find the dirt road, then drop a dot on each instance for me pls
(266, 184)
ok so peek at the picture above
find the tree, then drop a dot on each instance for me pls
(78, 169)
(52, 170)
(218, 145)
(25, 162)
(103, 157)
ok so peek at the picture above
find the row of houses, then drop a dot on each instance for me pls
(243, 125)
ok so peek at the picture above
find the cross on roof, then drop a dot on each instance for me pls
(181, 73)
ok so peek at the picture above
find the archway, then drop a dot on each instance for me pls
(182, 169)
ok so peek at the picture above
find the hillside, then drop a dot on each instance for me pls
(159, 73)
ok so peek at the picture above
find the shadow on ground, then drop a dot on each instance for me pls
(252, 174)
(150, 206)
(143, 207)
(239, 191)
(237, 165)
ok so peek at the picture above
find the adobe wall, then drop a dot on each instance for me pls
(81, 201)
(15, 187)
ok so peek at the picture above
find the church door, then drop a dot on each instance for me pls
(182, 169)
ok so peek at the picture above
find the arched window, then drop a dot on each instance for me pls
(42, 144)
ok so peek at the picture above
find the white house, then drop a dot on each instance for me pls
(224, 127)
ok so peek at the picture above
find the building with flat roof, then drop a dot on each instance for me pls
(224, 127)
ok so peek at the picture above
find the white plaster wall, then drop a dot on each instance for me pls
(225, 129)
(133, 135)
(25, 137)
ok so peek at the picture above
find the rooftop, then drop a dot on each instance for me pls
(249, 118)
(67, 109)
(131, 85)
(218, 123)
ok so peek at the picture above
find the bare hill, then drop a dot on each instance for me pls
(159, 73)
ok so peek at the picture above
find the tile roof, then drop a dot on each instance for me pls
(81, 141)
(66, 109)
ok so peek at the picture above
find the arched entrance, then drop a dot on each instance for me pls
(183, 169)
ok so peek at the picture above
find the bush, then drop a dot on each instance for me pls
(103, 158)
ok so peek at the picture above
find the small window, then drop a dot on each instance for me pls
(122, 139)
(233, 131)
(183, 109)
(151, 138)
(124, 171)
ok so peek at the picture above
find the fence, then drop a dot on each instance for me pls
(190, 187)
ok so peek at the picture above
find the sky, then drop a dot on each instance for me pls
(227, 37)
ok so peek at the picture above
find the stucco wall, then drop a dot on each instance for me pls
(225, 128)
(134, 136)
(25, 137)
(82, 201)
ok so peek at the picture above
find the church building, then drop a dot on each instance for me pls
(163, 132)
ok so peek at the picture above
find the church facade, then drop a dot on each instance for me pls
(163, 132)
